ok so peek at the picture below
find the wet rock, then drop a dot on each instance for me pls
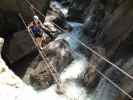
(60, 19)
(37, 74)
(109, 90)
(126, 83)
(90, 29)
(90, 76)
(58, 7)
(49, 25)
(40, 77)
(59, 55)
(77, 9)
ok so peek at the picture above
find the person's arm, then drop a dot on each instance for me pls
(29, 26)
(42, 26)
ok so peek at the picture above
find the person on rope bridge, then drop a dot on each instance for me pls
(37, 28)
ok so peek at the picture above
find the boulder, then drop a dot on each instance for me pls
(59, 49)
(58, 54)
(18, 47)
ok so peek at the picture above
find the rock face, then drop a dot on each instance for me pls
(59, 49)
(18, 45)
(59, 14)
(9, 10)
(17, 50)
(112, 32)
(78, 9)
(13, 88)
(108, 25)
(28, 12)
(59, 55)
(12, 5)
(9, 22)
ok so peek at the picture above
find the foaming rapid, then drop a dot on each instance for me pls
(71, 36)
(75, 69)
(14, 89)
(69, 77)
(71, 74)
(72, 92)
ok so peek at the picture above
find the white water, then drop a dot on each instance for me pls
(74, 70)
(73, 89)
(17, 90)
(72, 92)
(12, 88)
(75, 33)
(57, 6)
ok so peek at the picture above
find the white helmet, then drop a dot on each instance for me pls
(36, 17)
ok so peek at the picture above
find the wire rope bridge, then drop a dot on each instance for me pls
(52, 69)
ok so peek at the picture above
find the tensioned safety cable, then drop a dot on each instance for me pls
(103, 58)
(108, 79)
(37, 10)
(34, 8)
(114, 84)
(89, 48)
(44, 57)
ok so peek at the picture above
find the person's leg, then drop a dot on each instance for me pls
(36, 41)
(41, 41)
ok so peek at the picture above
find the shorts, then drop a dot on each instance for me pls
(36, 32)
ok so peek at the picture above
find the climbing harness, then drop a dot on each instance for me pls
(97, 54)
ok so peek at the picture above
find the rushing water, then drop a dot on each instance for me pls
(70, 76)
(73, 89)
(75, 33)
